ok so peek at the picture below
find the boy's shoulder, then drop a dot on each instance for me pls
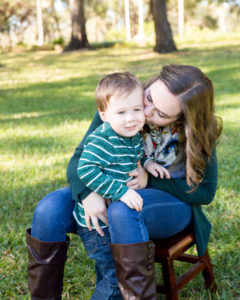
(103, 134)
(103, 130)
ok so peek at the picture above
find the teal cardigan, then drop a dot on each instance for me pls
(178, 187)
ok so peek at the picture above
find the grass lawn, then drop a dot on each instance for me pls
(47, 103)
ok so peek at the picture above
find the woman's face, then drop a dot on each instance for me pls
(161, 107)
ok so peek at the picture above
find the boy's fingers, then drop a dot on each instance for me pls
(96, 225)
(167, 174)
(103, 218)
(129, 204)
(88, 223)
(160, 172)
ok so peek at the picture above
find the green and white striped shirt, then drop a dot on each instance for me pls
(104, 165)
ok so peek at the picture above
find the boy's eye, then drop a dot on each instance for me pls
(121, 112)
(137, 109)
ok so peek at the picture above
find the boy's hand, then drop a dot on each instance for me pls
(133, 200)
(95, 208)
(155, 169)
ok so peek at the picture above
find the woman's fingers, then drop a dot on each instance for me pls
(133, 184)
(134, 173)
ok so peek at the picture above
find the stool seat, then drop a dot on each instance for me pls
(174, 248)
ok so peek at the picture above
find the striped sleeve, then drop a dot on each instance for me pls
(97, 154)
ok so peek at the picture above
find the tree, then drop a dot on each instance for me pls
(164, 37)
(127, 20)
(14, 18)
(79, 36)
(181, 18)
(40, 23)
(141, 34)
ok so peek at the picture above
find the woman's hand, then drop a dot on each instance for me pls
(95, 208)
(140, 178)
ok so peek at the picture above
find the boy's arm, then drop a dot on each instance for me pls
(179, 188)
(78, 188)
(97, 154)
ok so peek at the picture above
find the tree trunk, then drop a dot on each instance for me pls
(164, 37)
(79, 37)
(140, 20)
(127, 20)
(40, 23)
(181, 18)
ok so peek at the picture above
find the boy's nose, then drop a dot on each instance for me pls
(130, 117)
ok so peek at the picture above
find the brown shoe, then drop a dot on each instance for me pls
(46, 262)
(135, 270)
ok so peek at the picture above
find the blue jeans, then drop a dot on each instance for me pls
(53, 219)
(162, 216)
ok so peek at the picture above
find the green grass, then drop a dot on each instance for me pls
(46, 105)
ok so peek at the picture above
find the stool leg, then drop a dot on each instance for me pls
(169, 279)
(208, 273)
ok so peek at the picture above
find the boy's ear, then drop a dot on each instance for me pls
(102, 115)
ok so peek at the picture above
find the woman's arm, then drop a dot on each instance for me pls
(179, 188)
(79, 190)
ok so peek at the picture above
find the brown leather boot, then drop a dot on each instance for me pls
(135, 270)
(46, 262)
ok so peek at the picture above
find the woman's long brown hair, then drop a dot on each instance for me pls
(202, 128)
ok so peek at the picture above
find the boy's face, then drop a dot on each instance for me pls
(125, 113)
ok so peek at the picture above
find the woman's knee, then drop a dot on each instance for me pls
(117, 210)
(50, 203)
(52, 211)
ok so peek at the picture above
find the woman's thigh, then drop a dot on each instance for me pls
(162, 216)
(53, 217)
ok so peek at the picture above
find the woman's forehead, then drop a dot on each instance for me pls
(164, 100)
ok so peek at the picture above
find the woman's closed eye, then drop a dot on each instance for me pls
(149, 98)
(162, 115)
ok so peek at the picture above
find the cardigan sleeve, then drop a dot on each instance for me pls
(78, 188)
(179, 188)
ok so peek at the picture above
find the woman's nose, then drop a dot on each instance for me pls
(148, 110)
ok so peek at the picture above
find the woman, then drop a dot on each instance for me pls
(179, 94)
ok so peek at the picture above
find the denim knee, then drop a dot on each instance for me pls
(52, 216)
(117, 211)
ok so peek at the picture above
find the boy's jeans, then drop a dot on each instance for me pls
(53, 219)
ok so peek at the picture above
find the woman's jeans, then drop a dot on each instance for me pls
(53, 219)
(162, 216)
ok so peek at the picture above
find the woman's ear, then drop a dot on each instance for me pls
(102, 115)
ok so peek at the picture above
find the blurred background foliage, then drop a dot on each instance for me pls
(46, 24)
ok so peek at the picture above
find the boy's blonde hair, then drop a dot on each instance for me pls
(115, 84)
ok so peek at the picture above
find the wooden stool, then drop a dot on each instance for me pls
(173, 248)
